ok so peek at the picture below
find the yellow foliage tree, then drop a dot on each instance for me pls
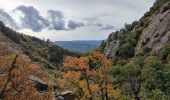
(89, 76)
(81, 67)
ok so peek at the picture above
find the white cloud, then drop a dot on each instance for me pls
(106, 12)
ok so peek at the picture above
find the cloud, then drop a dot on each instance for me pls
(74, 25)
(103, 27)
(107, 27)
(90, 19)
(56, 19)
(98, 25)
(32, 19)
(7, 19)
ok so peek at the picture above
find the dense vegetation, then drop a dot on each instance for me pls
(145, 77)
(94, 77)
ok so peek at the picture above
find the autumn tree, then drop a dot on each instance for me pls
(100, 67)
(81, 67)
(90, 76)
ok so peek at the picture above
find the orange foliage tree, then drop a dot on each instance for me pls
(79, 65)
(101, 67)
(89, 75)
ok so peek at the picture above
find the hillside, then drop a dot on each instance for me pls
(141, 55)
(39, 51)
(16, 67)
(81, 46)
(27, 65)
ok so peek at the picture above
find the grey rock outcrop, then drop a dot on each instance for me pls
(154, 35)
(67, 95)
(157, 34)
(60, 98)
(39, 84)
(1, 71)
(112, 43)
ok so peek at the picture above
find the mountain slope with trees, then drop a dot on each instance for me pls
(140, 53)
(27, 66)
(127, 66)
(40, 51)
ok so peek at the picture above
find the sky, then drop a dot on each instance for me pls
(65, 20)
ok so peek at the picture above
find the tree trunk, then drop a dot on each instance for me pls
(88, 86)
(136, 96)
(9, 77)
(102, 94)
(106, 95)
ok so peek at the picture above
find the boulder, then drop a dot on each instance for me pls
(39, 84)
(1, 71)
(66, 95)
(59, 98)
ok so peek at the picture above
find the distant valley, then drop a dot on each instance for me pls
(81, 46)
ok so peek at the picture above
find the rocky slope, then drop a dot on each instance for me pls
(112, 43)
(157, 34)
(147, 35)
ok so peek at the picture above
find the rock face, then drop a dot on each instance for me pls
(112, 43)
(67, 95)
(157, 34)
(1, 71)
(154, 35)
(40, 84)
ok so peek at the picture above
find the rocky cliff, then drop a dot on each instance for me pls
(113, 43)
(147, 35)
(157, 34)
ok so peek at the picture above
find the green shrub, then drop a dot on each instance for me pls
(156, 35)
(146, 50)
(125, 51)
(164, 52)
